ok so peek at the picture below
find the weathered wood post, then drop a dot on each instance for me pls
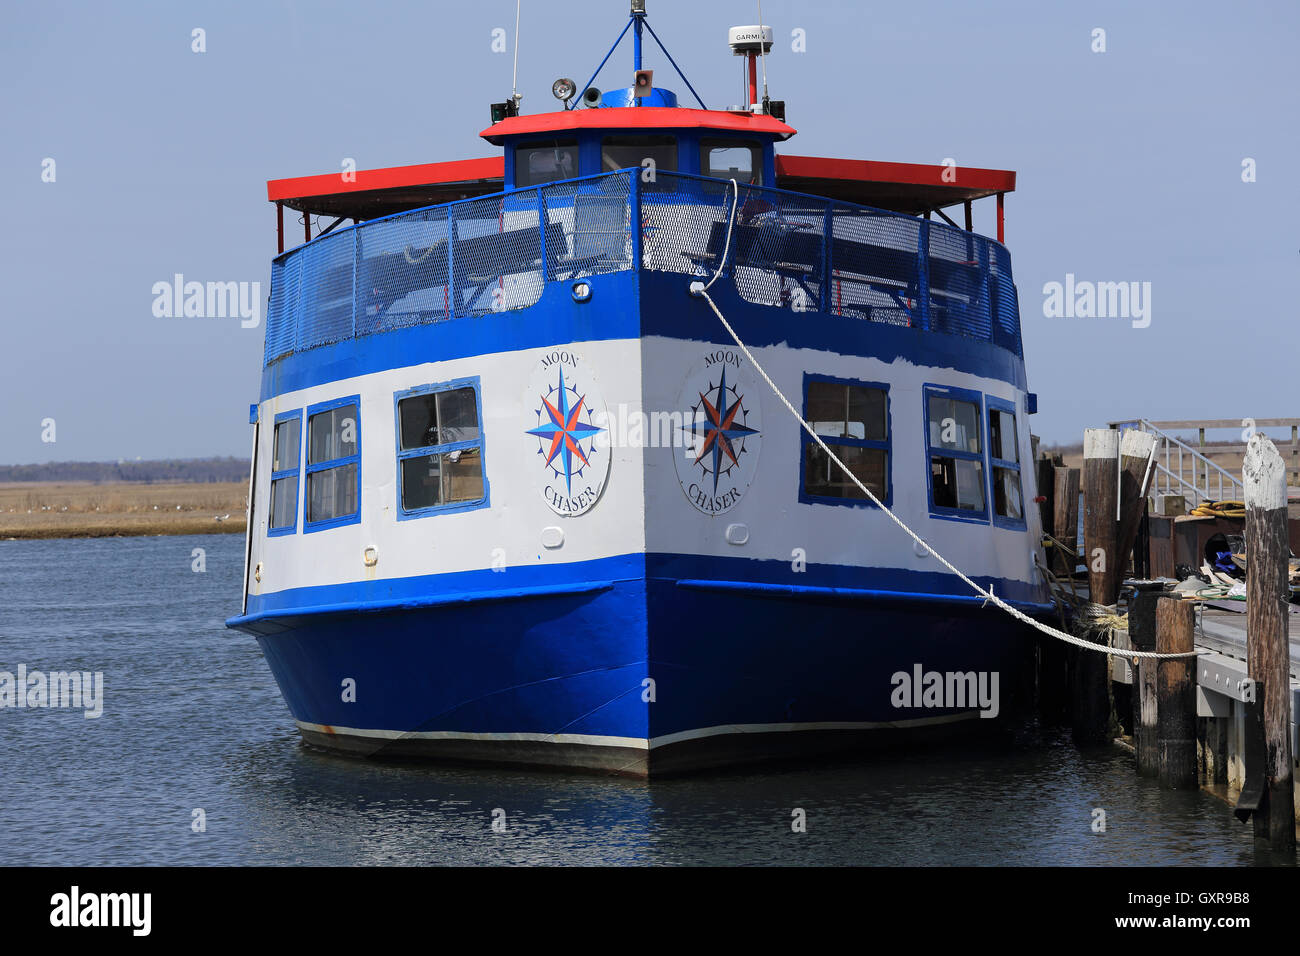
(1267, 648)
(1065, 515)
(1135, 450)
(1142, 637)
(1053, 656)
(1176, 695)
(1090, 703)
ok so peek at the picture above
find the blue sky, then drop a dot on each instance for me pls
(1129, 162)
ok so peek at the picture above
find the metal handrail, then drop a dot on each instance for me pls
(1199, 461)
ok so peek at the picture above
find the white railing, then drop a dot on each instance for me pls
(1186, 469)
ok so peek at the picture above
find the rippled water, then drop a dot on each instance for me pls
(192, 719)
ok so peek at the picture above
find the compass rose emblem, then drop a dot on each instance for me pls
(567, 406)
(566, 431)
(719, 436)
(722, 432)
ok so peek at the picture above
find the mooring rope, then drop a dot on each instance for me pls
(702, 290)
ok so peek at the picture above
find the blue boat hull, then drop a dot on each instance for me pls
(645, 675)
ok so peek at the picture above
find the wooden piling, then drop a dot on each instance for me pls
(1176, 695)
(1065, 515)
(1267, 647)
(1090, 703)
(1135, 449)
(1054, 656)
(1142, 637)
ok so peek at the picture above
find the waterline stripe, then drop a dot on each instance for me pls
(637, 743)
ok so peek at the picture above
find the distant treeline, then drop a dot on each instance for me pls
(200, 470)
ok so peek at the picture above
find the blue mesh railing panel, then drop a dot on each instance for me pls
(958, 272)
(1006, 306)
(325, 304)
(496, 253)
(588, 226)
(874, 266)
(402, 267)
(779, 254)
(496, 259)
(282, 313)
(683, 224)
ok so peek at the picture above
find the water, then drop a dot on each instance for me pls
(192, 719)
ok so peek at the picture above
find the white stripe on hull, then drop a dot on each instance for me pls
(638, 743)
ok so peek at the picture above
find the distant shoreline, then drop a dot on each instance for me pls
(39, 510)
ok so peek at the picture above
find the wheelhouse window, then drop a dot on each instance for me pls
(440, 449)
(286, 452)
(956, 452)
(852, 418)
(1004, 460)
(741, 160)
(621, 152)
(545, 161)
(333, 464)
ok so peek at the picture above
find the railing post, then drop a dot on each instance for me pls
(1200, 447)
(356, 262)
(634, 216)
(828, 261)
(985, 299)
(923, 271)
(541, 225)
(452, 305)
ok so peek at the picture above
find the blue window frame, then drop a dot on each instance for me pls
(955, 469)
(286, 468)
(1004, 465)
(333, 486)
(852, 418)
(440, 459)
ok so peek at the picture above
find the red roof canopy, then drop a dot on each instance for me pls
(903, 187)
(379, 192)
(637, 117)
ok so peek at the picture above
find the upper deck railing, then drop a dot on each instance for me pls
(496, 253)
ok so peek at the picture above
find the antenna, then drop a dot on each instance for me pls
(762, 53)
(514, 80)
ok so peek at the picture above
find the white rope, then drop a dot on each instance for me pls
(701, 290)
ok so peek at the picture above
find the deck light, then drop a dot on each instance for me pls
(563, 89)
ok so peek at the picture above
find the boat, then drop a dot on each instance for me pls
(518, 496)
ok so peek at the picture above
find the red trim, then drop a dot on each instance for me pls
(393, 177)
(627, 117)
(969, 178)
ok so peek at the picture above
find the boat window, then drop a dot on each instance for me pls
(545, 162)
(1004, 454)
(286, 451)
(741, 160)
(956, 452)
(333, 464)
(440, 449)
(852, 418)
(621, 152)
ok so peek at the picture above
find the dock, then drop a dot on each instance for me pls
(1191, 580)
(1222, 688)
